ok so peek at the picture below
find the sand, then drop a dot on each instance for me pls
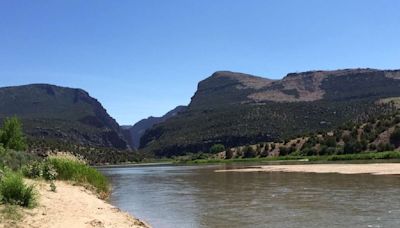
(375, 169)
(74, 206)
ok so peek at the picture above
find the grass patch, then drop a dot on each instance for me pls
(11, 213)
(365, 156)
(74, 170)
(14, 191)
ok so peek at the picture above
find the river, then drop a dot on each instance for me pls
(169, 196)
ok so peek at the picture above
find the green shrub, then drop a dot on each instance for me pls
(395, 137)
(330, 141)
(217, 148)
(11, 135)
(352, 147)
(283, 151)
(229, 154)
(40, 170)
(249, 152)
(385, 147)
(33, 170)
(324, 150)
(372, 147)
(308, 151)
(53, 187)
(15, 159)
(74, 170)
(14, 191)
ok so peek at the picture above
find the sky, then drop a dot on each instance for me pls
(142, 58)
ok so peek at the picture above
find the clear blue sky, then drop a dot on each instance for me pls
(144, 57)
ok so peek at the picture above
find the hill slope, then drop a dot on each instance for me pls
(237, 109)
(69, 115)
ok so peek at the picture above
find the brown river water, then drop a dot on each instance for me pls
(170, 196)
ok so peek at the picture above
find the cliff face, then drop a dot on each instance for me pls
(60, 113)
(237, 109)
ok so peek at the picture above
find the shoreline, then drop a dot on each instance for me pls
(364, 156)
(127, 165)
(73, 206)
(369, 168)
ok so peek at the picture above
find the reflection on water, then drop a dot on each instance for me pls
(196, 196)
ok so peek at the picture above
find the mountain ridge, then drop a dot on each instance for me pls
(234, 108)
(61, 113)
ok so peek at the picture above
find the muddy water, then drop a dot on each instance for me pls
(196, 196)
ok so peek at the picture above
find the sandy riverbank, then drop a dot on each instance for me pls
(73, 206)
(375, 169)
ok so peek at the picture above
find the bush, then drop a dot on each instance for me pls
(15, 159)
(33, 170)
(14, 191)
(395, 137)
(308, 151)
(385, 147)
(229, 154)
(330, 141)
(11, 135)
(273, 146)
(78, 171)
(248, 152)
(216, 148)
(352, 147)
(372, 147)
(40, 170)
(283, 151)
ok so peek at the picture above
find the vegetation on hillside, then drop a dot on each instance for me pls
(221, 111)
(353, 140)
(249, 124)
(93, 155)
(60, 113)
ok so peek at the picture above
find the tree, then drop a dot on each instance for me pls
(283, 151)
(395, 137)
(216, 148)
(385, 147)
(229, 154)
(11, 135)
(330, 141)
(249, 152)
(352, 147)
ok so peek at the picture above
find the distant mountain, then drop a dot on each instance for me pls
(237, 109)
(50, 112)
(136, 131)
